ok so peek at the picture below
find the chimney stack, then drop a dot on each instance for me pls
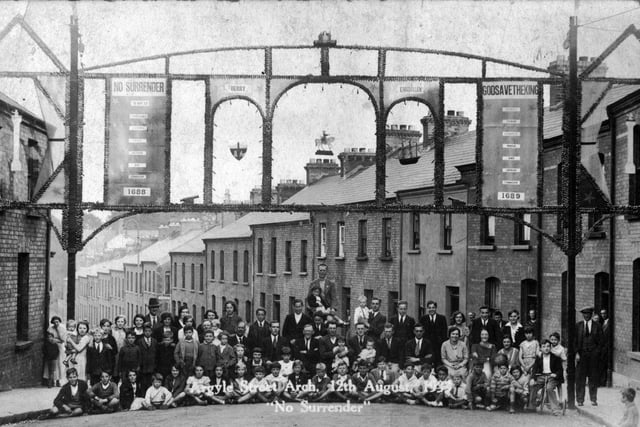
(287, 188)
(399, 136)
(354, 158)
(455, 123)
(561, 64)
(318, 168)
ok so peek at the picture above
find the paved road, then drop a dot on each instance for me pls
(376, 415)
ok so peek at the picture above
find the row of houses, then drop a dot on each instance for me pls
(460, 261)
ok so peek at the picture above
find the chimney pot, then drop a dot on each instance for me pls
(403, 127)
(363, 150)
(394, 127)
(584, 58)
(460, 113)
(451, 113)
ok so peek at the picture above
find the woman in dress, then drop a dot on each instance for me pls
(514, 328)
(454, 354)
(138, 321)
(119, 332)
(509, 352)
(459, 321)
(59, 333)
(230, 319)
(84, 339)
(484, 351)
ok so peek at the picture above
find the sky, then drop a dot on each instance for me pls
(520, 31)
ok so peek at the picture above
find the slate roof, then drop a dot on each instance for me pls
(242, 227)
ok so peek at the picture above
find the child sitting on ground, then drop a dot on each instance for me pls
(296, 380)
(286, 364)
(341, 385)
(219, 387)
(105, 396)
(131, 392)
(69, 350)
(456, 396)
(442, 386)
(277, 382)
(477, 386)
(428, 385)
(320, 382)
(520, 387)
(407, 386)
(258, 388)
(196, 386)
(157, 396)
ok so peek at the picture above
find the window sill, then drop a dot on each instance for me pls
(287, 273)
(385, 258)
(339, 258)
(321, 258)
(235, 282)
(272, 275)
(445, 252)
(221, 281)
(362, 258)
(520, 247)
(413, 252)
(486, 247)
(597, 235)
(634, 355)
(304, 273)
(258, 274)
(23, 345)
(245, 283)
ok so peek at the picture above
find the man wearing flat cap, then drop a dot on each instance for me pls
(153, 317)
(588, 343)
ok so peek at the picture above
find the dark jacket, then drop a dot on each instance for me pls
(271, 353)
(319, 330)
(556, 367)
(329, 292)
(506, 330)
(326, 347)
(129, 358)
(175, 385)
(436, 332)
(590, 343)
(64, 396)
(229, 324)
(148, 355)
(309, 357)
(100, 361)
(393, 354)
(257, 334)
(292, 330)
(404, 331)
(127, 394)
(376, 325)
(234, 340)
(355, 348)
(495, 334)
(426, 351)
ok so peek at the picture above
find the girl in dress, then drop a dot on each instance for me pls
(59, 333)
(529, 349)
(119, 332)
(84, 339)
(561, 352)
(138, 321)
(484, 352)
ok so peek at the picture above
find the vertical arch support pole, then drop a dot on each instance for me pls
(438, 171)
(381, 135)
(267, 130)
(208, 143)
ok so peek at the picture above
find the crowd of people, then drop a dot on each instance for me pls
(162, 361)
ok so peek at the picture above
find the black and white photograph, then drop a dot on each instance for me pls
(323, 212)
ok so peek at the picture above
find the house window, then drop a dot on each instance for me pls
(323, 240)
(368, 294)
(560, 225)
(415, 231)
(528, 296)
(392, 307)
(421, 297)
(263, 299)
(635, 318)
(592, 222)
(213, 264)
(235, 266)
(193, 277)
(386, 238)
(33, 166)
(303, 256)
(22, 318)
(523, 232)
(213, 302)
(276, 307)
(245, 267)
(601, 288)
(487, 230)
(173, 307)
(446, 220)
(201, 277)
(248, 311)
(202, 310)
(260, 256)
(346, 302)
(272, 256)
(167, 284)
(634, 181)
(222, 266)
(195, 313)
(453, 300)
(340, 240)
(184, 274)
(287, 256)
(362, 238)
(492, 292)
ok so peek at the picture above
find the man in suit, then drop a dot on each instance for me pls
(153, 317)
(391, 348)
(607, 343)
(547, 368)
(376, 320)
(327, 344)
(327, 287)
(357, 342)
(435, 329)
(294, 323)
(419, 349)
(402, 324)
(307, 349)
(258, 331)
(238, 337)
(485, 322)
(272, 345)
(319, 328)
(588, 344)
